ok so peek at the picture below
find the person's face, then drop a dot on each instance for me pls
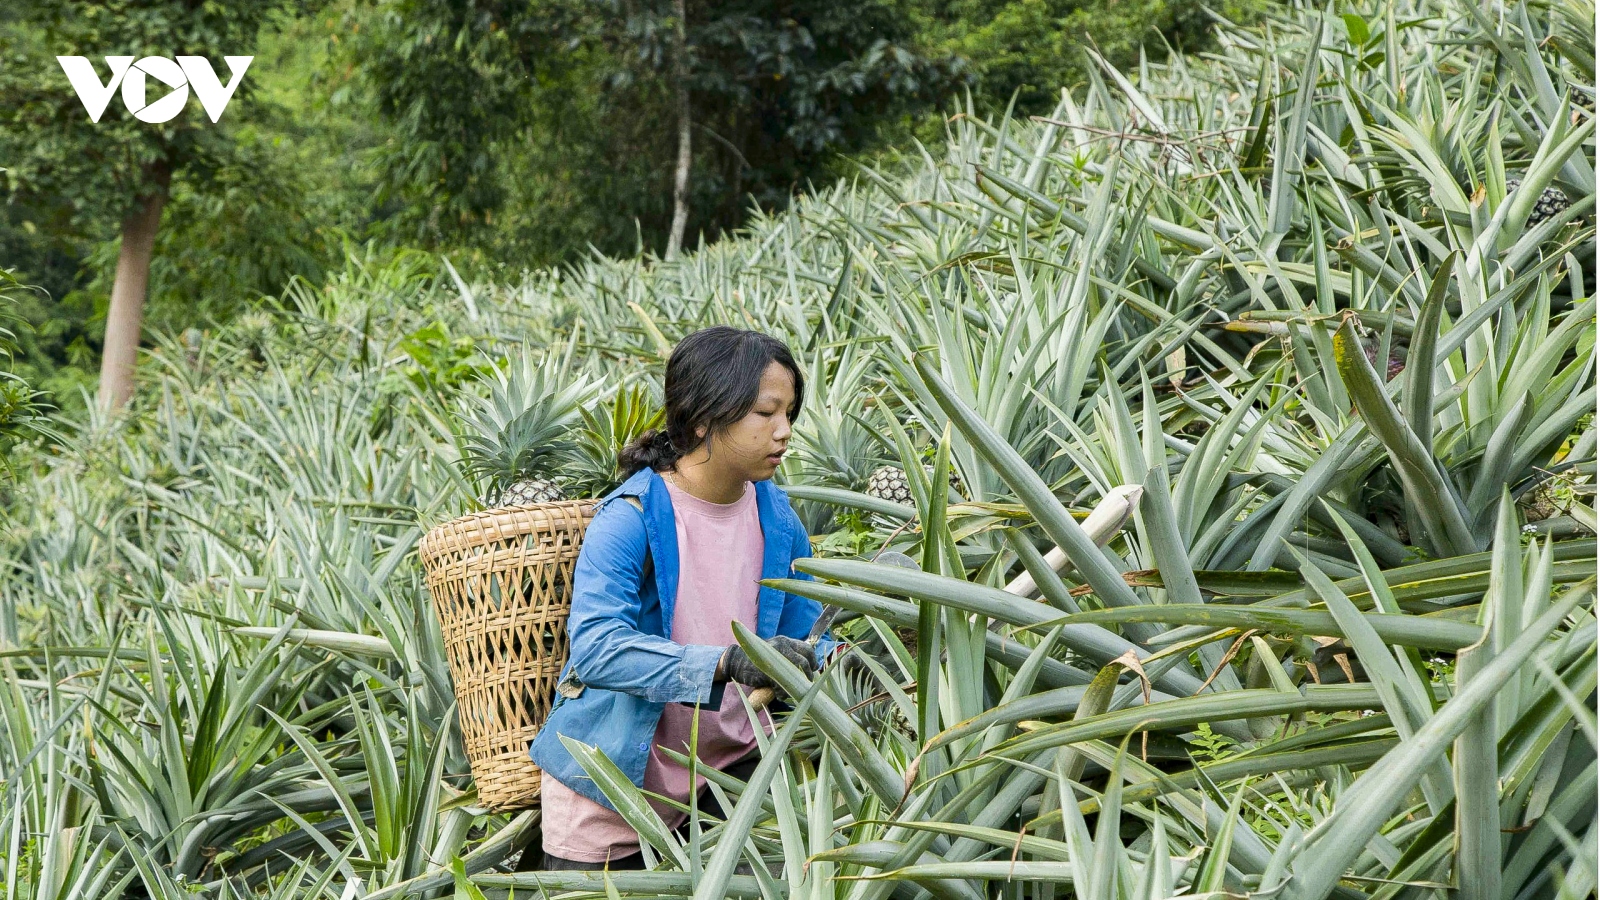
(752, 447)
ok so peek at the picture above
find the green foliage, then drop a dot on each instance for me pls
(263, 197)
(579, 97)
(1033, 48)
(449, 80)
(54, 151)
(21, 412)
(1209, 746)
(544, 132)
(1147, 360)
(441, 363)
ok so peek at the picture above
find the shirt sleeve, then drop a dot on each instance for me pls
(608, 649)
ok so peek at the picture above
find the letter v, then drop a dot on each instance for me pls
(94, 95)
(213, 96)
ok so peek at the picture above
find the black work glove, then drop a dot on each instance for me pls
(850, 665)
(736, 665)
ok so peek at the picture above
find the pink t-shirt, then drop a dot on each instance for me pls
(719, 569)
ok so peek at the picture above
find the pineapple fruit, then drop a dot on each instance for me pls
(1581, 97)
(528, 492)
(890, 483)
(520, 435)
(1552, 202)
(1396, 363)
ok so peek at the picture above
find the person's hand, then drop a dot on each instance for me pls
(736, 665)
(796, 651)
(848, 661)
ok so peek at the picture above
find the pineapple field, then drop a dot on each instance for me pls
(1239, 416)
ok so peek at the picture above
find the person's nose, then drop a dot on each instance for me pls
(782, 431)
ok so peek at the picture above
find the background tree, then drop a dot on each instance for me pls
(778, 91)
(119, 167)
(680, 173)
(769, 92)
(504, 133)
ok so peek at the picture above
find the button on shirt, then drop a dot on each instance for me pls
(720, 549)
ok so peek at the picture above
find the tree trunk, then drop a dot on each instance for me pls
(127, 295)
(680, 183)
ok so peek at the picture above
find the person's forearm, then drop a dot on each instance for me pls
(612, 656)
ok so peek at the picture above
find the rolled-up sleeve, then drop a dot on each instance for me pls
(608, 649)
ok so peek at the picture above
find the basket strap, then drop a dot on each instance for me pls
(649, 566)
(569, 686)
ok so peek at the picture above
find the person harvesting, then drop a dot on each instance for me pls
(660, 579)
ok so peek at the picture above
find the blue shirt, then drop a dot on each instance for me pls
(620, 626)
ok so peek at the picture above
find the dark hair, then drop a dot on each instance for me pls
(713, 380)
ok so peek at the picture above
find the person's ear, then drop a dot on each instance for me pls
(700, 432)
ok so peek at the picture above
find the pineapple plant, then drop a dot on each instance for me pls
(1020, 729)
(520, 435)
(837, 445)
(869, 704)
(253, 332)
(606, 430)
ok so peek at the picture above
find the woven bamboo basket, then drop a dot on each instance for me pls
(502, 587)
